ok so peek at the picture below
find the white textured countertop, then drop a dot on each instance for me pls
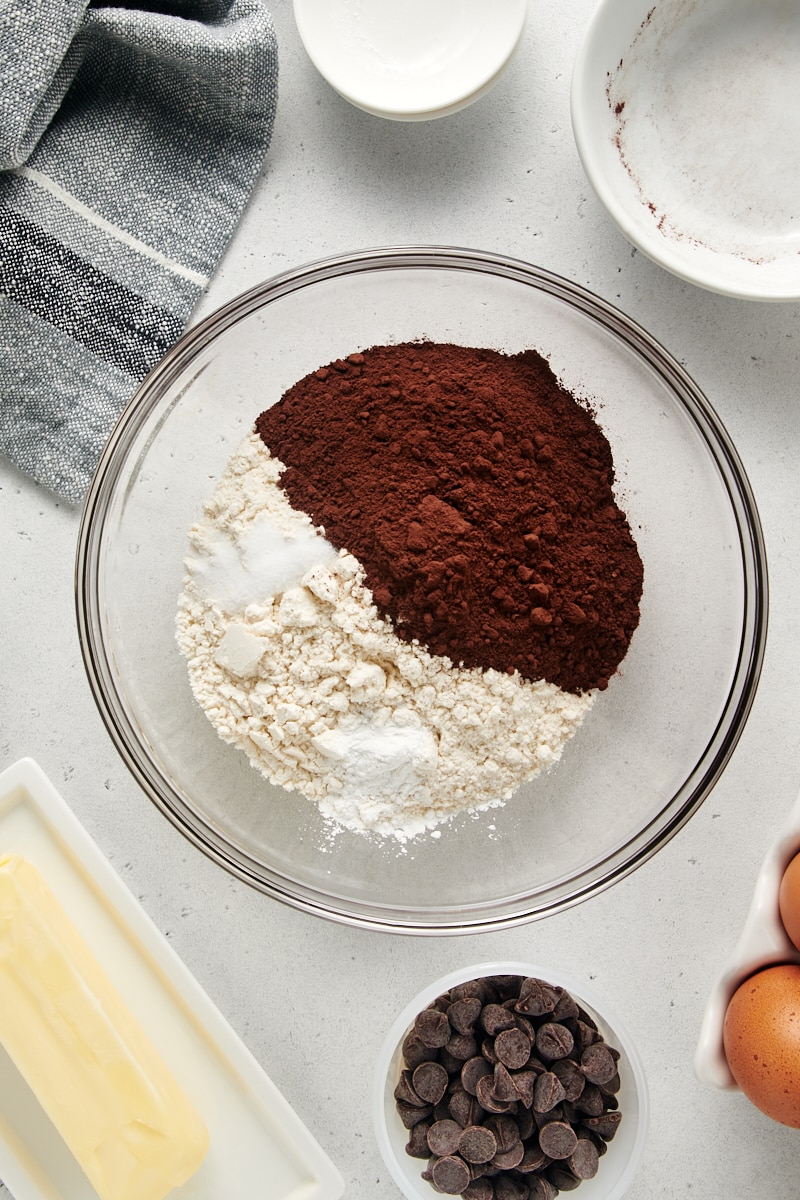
(501, 176)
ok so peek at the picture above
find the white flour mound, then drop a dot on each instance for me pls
(291, 662)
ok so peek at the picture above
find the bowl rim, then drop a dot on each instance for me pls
(114, 709)
(434, 114)
(578, 989)
(583, 101)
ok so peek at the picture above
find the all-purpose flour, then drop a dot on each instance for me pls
(292, 664)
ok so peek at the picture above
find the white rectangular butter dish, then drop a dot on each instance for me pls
(259, 1145)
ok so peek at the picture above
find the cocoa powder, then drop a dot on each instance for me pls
(476, 492)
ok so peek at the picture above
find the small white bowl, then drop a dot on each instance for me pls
(763, 943)
(617, 1166)
(412, 61)
(685, 116)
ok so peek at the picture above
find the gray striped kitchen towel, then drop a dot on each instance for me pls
(130, 139)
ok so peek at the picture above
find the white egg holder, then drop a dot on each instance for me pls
(763, 943)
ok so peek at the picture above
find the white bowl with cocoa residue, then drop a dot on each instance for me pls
(685, 119)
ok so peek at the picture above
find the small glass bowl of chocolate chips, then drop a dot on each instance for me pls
(507, 1081)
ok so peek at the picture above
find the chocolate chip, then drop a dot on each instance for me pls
(590, 1102)
(611, 1086)
(477, 1144)
(506, 1160)
(606, 1125)
(553, 1040)
(557, 1139)
(504, 1088)
(473, 1070)
(536, 997)
(495, 1018)
(464, 1108)
(463, 1014)
(479, 1189)
(417, 1144)
(410, 1115)
(584, 1160)
(568, 1113)
(508, 1188)
(450, 1175)
(562, 1178)
(525, 1122)
(443, 1137)
(486, 1097)
(528, 1026)
(571, 1076)
(405, 1091)
(415, 1051)
(487, 1050)
(524, 1085)
(559, 1113)
(566, 1007)
(541, 1189)
(534, 1159)
(505, 1130)
(433, 1028)
(450, 1064)
(481, 1170)
(548, 1092)
(587, 1019)
(525, 1025)
(462, 1046)
(506, 986)
(513, 1048)
(429, 1081)
(481, 989)
(597, 1064)
(600, 1146)
(585, 1034)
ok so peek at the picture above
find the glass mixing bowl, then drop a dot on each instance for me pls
(655, 742)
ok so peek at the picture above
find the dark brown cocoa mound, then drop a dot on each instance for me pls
(476, 492)
(521, 1133)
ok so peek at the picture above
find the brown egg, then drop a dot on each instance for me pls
(761, 1036)
(789, 900)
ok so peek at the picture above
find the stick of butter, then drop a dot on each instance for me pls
(84, 1055)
